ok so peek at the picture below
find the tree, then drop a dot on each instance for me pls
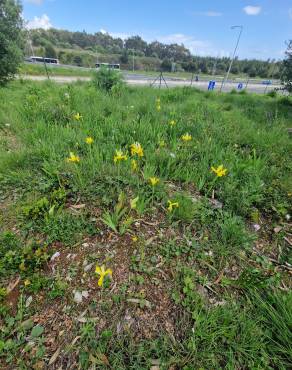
(136, 43)
(77, 60)
(11, 40)
(124, 58)
(252, 71)
(190, 66)
(286, 77)
(166, 65)
(50, 51)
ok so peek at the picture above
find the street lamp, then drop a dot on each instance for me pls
(233, 56)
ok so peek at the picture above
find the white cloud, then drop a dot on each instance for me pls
(196, 46)
(116, 35)
(290, 13)
(35, 2)
(189, 41)
(209, 13)
(252, 10)
(121, 35)
(40, 22)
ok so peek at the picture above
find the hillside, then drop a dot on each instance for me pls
(83, 49)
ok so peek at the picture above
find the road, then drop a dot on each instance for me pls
(143, 80)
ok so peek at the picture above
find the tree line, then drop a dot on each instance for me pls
(82, 48)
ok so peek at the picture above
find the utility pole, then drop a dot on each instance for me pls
(247, 81)
(45, 64)
(31, 47)
(29, 42)
(233, 56)
(215, 65)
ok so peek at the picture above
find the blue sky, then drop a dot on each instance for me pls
(202, 26)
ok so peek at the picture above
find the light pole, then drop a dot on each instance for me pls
(233, 56)
(215, 65)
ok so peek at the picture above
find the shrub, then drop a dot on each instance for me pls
(106, 79)
(45, 206)
(186, 209)
(242, 92)
(286, 101)
(272, 94)
(16, 257)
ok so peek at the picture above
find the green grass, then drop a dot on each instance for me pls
(40, 70)
(194, 285)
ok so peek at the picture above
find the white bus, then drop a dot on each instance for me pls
(114, 66)
(34, 59)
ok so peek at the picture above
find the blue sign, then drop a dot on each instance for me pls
(240, 86)
(211, 85)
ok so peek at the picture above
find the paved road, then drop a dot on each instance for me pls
(143, 80)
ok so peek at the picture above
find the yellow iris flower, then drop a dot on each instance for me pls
(27, 282)
(77, 116)
(38, 252)
(120, 156)
(102, 272)
(154, 181)
(186, 137)
(73, 158)
(172, 205)
(219, 171)
(136, 148)
(158, 106)
(22, 266)
(89, 140)
(134, 165)
(133, 203)
(172, 122)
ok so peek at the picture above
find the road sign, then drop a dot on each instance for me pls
(240, 86)
(211, 85)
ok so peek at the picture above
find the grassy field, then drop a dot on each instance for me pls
(39, 70)
(144, 229)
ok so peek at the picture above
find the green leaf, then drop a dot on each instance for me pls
(37, 331)
(27, 324)
(133, 202)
